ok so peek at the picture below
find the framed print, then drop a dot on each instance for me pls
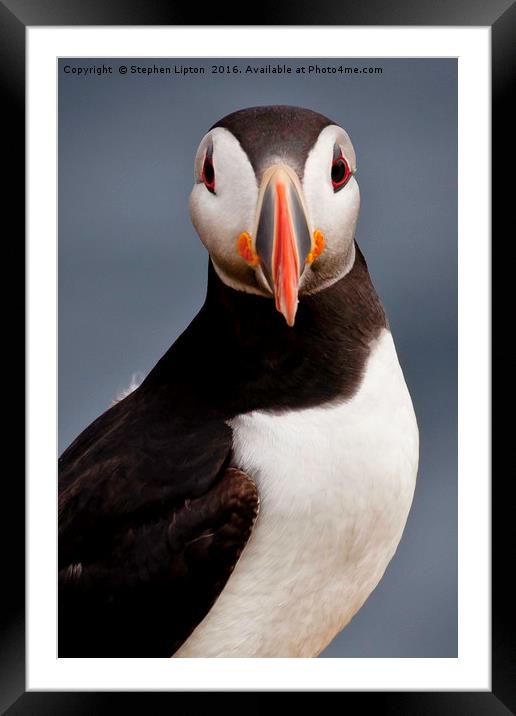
(121, 111)
(150, 143)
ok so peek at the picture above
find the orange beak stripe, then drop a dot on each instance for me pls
(285, 258)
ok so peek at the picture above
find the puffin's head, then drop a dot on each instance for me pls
(276, 203)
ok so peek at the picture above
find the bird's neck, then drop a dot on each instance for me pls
(239, 354)
(320, 358)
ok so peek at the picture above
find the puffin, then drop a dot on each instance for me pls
(246, 498)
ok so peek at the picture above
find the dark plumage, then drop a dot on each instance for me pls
(149, 579)
(151, 518)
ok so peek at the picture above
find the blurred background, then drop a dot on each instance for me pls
(132, 272)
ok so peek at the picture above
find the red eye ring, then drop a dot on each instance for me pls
(208, 174)
(340, 173)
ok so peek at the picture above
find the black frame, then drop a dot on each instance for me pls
(15, 16)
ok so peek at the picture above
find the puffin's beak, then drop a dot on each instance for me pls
(283, 238)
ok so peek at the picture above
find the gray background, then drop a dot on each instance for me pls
(132, 272)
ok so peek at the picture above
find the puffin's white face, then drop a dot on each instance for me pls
(286, 232)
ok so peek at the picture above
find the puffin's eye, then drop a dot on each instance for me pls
(340, 173)
(208, 174)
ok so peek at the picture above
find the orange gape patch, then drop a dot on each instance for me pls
(318, 247)
(246, 250)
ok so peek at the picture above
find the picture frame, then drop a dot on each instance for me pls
(15, 17)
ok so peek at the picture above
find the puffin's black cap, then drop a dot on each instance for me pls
(276, 131)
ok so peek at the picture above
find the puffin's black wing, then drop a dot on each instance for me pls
(152, 519)
(159, 578)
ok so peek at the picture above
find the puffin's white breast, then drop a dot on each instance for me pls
(336, 484)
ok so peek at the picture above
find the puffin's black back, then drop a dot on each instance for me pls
(151, 520)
